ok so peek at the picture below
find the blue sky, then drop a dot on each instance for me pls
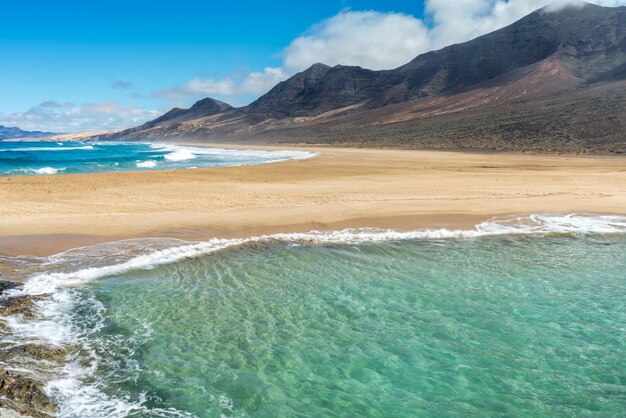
(70, 65)
(75, 50)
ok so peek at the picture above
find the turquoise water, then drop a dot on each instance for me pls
(46, 158)
(512, 325)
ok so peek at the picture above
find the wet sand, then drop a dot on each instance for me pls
(340, 188)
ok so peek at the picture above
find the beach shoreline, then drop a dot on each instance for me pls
(338, 189)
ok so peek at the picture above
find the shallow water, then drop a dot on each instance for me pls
(518, 324)
(46, 158)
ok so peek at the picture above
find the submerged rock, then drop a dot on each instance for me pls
(20, 393)
(24, 395)
(10, 413)
(20, 305)
(34, 351)
(6, 285)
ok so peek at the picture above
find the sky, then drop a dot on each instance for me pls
(70, 66)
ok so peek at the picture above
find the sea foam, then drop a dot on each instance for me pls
(47, 282)
(16, 159)
(45, 170)
(74, 388)
(177, 153)
(180, 155)
(146, 164)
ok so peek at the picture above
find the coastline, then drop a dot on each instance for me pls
(340, 188)
(398, 190)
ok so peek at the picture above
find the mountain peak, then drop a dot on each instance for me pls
(570, 5)
(211, 106)
(314, 72)
(552, 52)
(202, 108)
(318, 66)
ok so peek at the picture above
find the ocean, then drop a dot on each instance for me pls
(519, 316)
(47, 158)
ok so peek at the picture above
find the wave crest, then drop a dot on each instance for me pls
(146, 164)
(149, 258)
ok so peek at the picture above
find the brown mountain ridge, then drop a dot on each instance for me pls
(552, 81)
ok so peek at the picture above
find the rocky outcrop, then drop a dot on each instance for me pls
(49, 353)
(20, 305)
(25, 365)
(24, 395)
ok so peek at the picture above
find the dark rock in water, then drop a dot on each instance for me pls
(24, 395)
(35, 351)
(6, 285)
(20, 305)
(4, 328)
(21, 392)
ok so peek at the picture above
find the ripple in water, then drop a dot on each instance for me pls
(527, 322)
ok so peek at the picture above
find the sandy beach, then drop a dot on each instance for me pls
(340, 188)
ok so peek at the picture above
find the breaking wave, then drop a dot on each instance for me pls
(26, 159)
(47, 282)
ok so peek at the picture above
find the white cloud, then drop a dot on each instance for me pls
(197, 87)
(374, 40)
(378, 40)
(467, 19)
(256, 83)
(261, 82)
(370, 39)
(54, 117)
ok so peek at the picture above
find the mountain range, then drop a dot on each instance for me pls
(7, 133)
(552, 81)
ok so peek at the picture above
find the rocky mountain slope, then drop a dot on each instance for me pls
(554, 80)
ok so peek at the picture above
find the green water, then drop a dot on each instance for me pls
(531, 326)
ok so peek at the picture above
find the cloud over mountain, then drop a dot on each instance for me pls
(371, 39)
(255, 83)
(374, 40)
(380, 41)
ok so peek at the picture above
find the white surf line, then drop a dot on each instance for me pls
(43, 283)
(184, 152)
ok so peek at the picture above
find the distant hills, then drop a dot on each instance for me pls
(7, 133)
(552, 81)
